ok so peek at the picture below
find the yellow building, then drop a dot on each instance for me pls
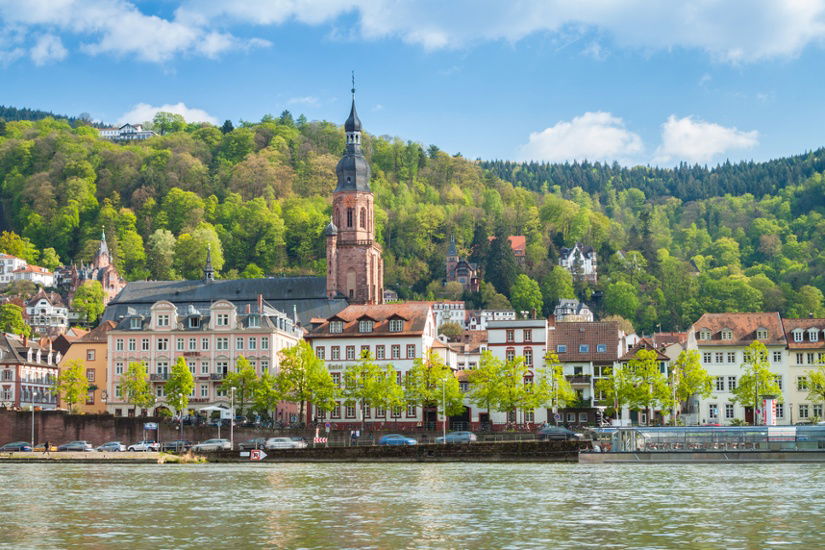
(91, 351)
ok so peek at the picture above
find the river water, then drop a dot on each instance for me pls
(411, 506)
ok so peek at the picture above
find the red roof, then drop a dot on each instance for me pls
(805, 324)
(517, 242)
(743, 326)
(414, 315)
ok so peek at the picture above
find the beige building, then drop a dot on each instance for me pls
(90, 349)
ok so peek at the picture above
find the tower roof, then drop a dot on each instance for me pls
(330, 230)
(353, 123)
(208, 270)
(353, 170)
(104, 248)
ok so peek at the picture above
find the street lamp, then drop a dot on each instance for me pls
(444, 408)
(232, 420)
(33, 396)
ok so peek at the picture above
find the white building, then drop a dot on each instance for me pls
(721, 339)
(478, 319)
(47, 313)
(806, 350)
(449, 311)
(13, 268)
(572, 310)
(394, 334)
(127, 132)
(8, 264)
(581, 261)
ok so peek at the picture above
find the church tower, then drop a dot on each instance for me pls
(355, 266)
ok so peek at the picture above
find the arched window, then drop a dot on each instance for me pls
(349, 217)
(363, 218)
(510, 354)
(528, 357)
(337, 218)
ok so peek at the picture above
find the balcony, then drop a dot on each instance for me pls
(579, 379)
(159, 376)
(217, 375)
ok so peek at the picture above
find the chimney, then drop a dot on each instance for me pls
(260, 303)
(25, 341)
(249, 308)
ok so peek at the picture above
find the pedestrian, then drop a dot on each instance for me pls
(48, 448)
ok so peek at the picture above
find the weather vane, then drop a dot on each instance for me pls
(353, 84)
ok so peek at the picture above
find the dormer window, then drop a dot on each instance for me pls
(222, 319)
(134, 323)
(727, 334)
(163, 320)
(365, 325)
(396, 325)
(761, 334)
(254, 321)
(704, 334)
(813, 334)
(336, 327)
(798, 335)
(194, 322)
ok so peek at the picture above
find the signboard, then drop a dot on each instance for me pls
(257, 454)
(327, 426)
(557, 417)
(150, 425)
(244, 453)
(769, 411)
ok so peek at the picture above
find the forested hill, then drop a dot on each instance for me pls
(15, 113)
(259, 196)
(686, 182)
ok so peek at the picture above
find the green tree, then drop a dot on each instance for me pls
(135, 387)
(49, 259)
(501, 269)
(303, 378)
(267, 394)
(555, 286)
(160, 255)
(88, 300)
(451, 330)
(367, 384)
(244, 380)
(816, 384)
(485, 381)
(688, 378)
(191, 251)
(179, 387)
(165, 123)
(525, 295)
(431, 383)
(621, 299)
(514, 391)
(551, 386)
(13, 244)
(11, 320)
(616, 389)
(757, 380)
(649, 384)
(72, 384)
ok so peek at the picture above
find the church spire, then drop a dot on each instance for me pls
(104, 247)
(353, 171)
(208, 271)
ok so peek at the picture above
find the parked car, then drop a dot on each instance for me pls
(457, 437)
(76, 446)
(212, 445)
(176, 446)
(112, 447)
(145, 445)
(16, 446)
(557, 433)
(397, 439)
(302, 442)
(284, 443)
(257, 443)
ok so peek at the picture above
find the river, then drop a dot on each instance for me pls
(390, 506)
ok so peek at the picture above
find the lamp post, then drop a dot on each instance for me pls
(444, 409)
(232, 420)
(33, 396)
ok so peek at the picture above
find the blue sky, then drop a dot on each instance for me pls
(637, 81)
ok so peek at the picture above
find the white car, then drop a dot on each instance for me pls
(285, 443)
(212, 445)
(145, 445)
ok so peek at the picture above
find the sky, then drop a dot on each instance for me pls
(633, 81)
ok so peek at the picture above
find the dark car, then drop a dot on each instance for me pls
(257, 443)
(76, 446)
(176, 446)
(557, 433)
(16, 446)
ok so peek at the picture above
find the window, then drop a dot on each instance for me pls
(191, 365)
(713, 410)
(777, 357)
(204, 391)
(239, 342)
(510, 335)
(350, 411)
(729, 410)
(380, 412)
(571, 418)
(131, 344)
(379, 352)
(802, 383)
(778, 380)
(410, 411)
(731, 357)
(335, 353)
(363, 218)
(222, 343)
(561, 348)
(119, 344)
(367, 411)
(204, 344)
(510, 354)
(706, 358)
(320, 352)
(396, 325)
(134, 323)
(336, 379)
(800, 358)
(252, 343)
(761, 334)
(817, 410)
(90, 375)
(719, 356)
(163, 320)
(704, 334)
(810, 358)
(582, 418)
(528, 357)
(365, 325)
(720, 383)
(254, 321)
(350, 353)
(601, 348)
(396, 351)
(194, 322)
(798, 335)
(584, 348)
(118, 392)
(222, 319)
(144, 344)
(159, 391)
(204, 367)
(410, 351)
(90, 355)
(336, 327)
(803, 411)
(118, 368)
(731, 383)
(726, 334)
(780, 410)
(179, 344)
(396, 412)
(813, 336)
(349, 217)
(193, 344)
(264, 342)
(163, 344)
(365, 351)
(336, 411)
(527, 335)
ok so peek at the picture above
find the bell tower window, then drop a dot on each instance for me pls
(363, 218)
(349, 217)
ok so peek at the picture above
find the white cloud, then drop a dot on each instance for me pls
(591, 136)
(143, 112)
(304, 100)
(48, 48)
(695, 140)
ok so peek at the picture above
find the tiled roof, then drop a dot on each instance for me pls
(517, 242)
(668, 338)
(415, 315)
(53, 298)
(99, 333)
(743, 326)
(32, 269)
(575, 334)
(805, 324)
(646, 344)
(471, 341)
